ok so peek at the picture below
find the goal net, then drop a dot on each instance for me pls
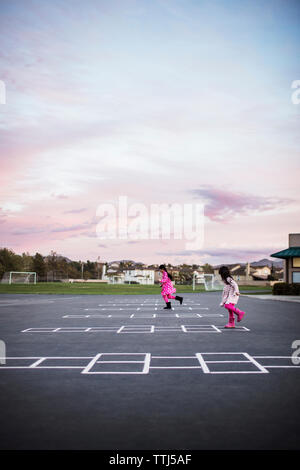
(19, 277)
(211, 283)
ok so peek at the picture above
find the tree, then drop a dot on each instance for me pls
(52, 261)
(208, 269)
(9, 261)
(27, 262)
(39, 265)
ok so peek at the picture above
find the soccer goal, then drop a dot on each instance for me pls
(211, 283)
(19, 277)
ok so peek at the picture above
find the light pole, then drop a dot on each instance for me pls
(194, 280)
(98, 267)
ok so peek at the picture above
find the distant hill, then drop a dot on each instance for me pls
(267, 262)
(261, 262)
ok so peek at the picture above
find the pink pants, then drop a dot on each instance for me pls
(167, 297)
(232, 308)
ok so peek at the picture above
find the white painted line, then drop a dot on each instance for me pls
(224, 353)
(227, 362)
(259, 366)
(59, 367)
(202, 363)
(175, 367)
(282, 367)
(91, 363)
(120, 362)
(173, 357)
(217, 329)
(147, 363)
(37, 362)
(273, 357)
(120, 329)
(237, 372)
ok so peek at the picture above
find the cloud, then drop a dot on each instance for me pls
(31, 230)
(239, 254)
(28, 231)
(222, 204)
(68, 229)
(75, 211)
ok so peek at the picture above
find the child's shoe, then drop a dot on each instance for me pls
(230, 325)
(168, 306)
(240, 315)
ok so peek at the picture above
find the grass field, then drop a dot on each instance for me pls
(102, 289)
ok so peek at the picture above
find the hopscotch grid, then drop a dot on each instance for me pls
(139, 329)
(147, 361)
(147, 315)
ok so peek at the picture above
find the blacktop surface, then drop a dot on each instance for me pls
(119, 372)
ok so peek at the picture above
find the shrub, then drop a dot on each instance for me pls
(283, 288)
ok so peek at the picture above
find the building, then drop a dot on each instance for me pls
(291, 256)
(141, 276)
(116, 277)
(247, 273)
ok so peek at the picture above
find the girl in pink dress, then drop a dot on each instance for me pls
(167, 287)
(230, 297)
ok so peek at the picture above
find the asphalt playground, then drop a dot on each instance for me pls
(119, 372)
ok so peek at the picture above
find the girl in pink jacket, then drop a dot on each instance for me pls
(230, 297)
(167, 287)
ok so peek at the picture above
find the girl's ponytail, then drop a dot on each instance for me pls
(225, 273)
(162, 266)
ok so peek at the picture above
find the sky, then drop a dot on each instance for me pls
(161, 102)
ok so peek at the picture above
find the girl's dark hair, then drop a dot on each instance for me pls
(224, 273)
(163, 266)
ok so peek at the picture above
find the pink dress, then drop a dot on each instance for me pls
(167, 286)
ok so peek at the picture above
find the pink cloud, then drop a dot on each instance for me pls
(222, 204)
